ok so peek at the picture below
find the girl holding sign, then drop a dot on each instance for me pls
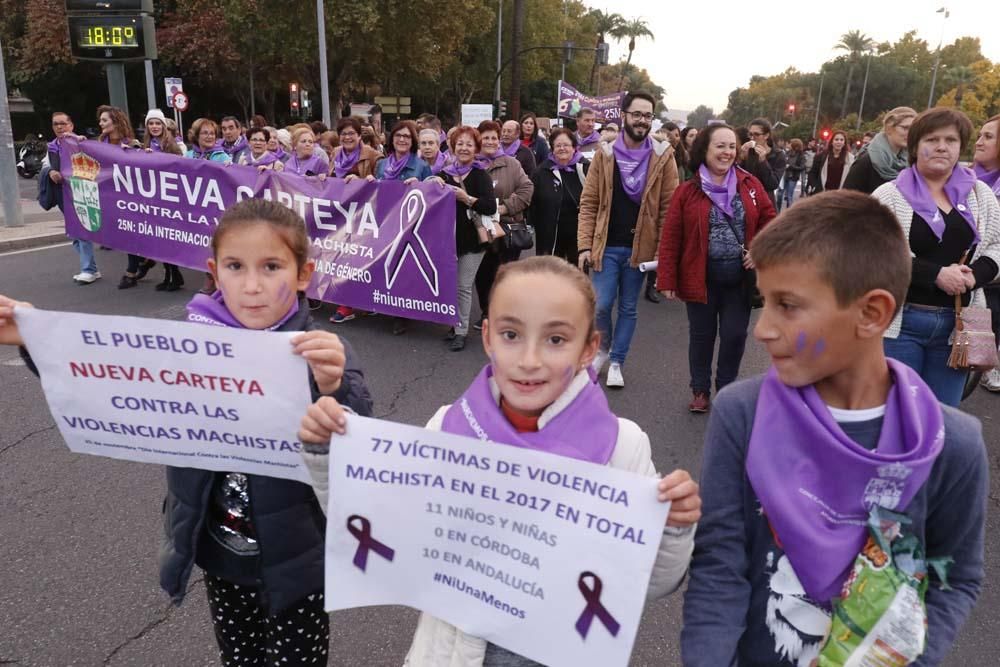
(258, 539)
(537, 392)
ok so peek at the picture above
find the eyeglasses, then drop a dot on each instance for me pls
(400, 135)
(757, 134)
(59, 122)
(206, 133)
(638, 115)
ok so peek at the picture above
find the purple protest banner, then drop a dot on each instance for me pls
(384, 247)
(607, 107)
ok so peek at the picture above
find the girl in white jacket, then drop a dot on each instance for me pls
(538, 391)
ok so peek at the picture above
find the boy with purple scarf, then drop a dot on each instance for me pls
(795, 460)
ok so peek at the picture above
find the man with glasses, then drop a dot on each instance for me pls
(622, 207)
(50, 194)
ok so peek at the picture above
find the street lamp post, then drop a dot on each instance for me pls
(819, 99)
(12, 215)
(324, 84)
(496, 93)
(937, 56)
(864, 89)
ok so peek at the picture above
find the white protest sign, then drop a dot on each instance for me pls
(547, 556)
(474, 114)
(172, 85)
(174, 393)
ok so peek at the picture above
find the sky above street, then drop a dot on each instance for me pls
(701, 52)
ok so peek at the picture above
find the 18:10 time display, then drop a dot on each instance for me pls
(108, 36)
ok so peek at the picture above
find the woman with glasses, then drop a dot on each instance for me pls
(555, 205)
(884, 156)
(258, 155)
(202, 137)
(830, 169)
(402, 163)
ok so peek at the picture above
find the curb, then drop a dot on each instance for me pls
(37, 241)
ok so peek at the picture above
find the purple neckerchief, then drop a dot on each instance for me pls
(154, 145)
(394, 166)
(990, 178)
(570, 166)
(439, 162)
(592, 138)
(457, 169)
(721, 194)
(586, 429)
(633, 163)
(914, 189)
(312, 163)
(200, 152)
(124, 143)
(53, 146)
(816, 485)
(265, 159)
(344, 162)
(281, 154)
(235, 147)
(442, 137)
(212, 310)
(510, 151)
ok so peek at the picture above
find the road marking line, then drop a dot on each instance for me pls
(42, 247)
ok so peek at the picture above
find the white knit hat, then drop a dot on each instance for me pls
(155, 114)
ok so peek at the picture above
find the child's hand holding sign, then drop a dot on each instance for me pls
(9, 335)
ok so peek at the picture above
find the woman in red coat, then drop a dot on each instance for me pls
(712, 219)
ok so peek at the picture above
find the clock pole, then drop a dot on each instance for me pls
(117, 92)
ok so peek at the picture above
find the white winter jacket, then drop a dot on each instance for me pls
(437, 643)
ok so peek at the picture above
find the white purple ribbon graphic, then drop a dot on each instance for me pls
(366, 542)
(594, 607)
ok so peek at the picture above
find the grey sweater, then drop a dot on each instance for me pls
(740, 610)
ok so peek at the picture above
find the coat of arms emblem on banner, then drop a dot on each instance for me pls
(83, 183)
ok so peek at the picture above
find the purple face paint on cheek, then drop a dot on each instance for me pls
(819, 348)
(800, 342)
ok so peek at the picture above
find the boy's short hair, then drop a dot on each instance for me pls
(853, 240)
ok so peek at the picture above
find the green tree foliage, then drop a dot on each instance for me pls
(633, 29)
(856, 43)
(700, 116)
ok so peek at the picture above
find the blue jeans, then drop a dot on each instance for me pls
(789, 192)
(617, 279)
(923, 346)
(85, 249)
(726, 316)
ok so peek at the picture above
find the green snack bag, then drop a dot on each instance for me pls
(880, 619)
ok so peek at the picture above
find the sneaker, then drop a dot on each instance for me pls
(342, 315)
(315, 304)
(615, 378)
(991, 380)
(87, 277)
(600, 359)
(700, 403)
(144, 269)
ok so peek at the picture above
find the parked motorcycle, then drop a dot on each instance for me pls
(30, 156)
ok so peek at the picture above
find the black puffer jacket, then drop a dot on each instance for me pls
(289, 523)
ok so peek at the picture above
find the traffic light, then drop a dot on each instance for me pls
(501, 108)
(602, 53)
(825, 134)
(791, 108)
(294, 98)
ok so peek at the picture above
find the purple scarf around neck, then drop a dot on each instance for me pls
(236, 146)
(570, 166)
(344, 162)
(267, 158)
(914, 189)
(313, 163)
(633, 164)
(510, 151)
(816, 486)
(457, 170)
(586, 429)
(592, 138)
(394, 166)
(439, 163)
(990, 178)
(721, 194)
(212, 310)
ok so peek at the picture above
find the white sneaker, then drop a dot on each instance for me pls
(76, 278)
(600, 359)
(615, 378)
(86, 277)
(991, 380)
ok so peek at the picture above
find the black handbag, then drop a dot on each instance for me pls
(519, 236)
(749, 275)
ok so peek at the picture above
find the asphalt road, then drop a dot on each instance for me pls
(80, 534)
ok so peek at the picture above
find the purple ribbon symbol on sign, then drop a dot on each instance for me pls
(408, 242)
(366, 542)
(594, 607)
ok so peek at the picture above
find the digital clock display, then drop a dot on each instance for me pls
(108, 35)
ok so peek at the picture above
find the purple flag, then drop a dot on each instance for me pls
(607, 107)
(384, 247)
